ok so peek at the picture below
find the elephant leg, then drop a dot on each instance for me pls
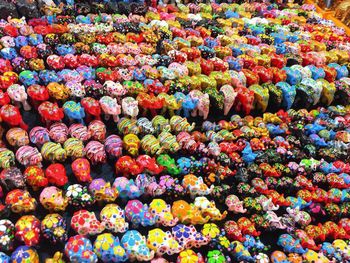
(145, 110)
(163, 111)
(227, 107)
(153, 112)
(26, 106)
(205, 114)
(194, 112)
(171, 112)
(115, 118)
(186, 113)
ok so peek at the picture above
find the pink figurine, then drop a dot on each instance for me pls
(52, 199)
(234, 204)
(114, 89)
(130, 107)
(79, 131)
(39, 135)
(95, 152)
(97, 129)
(28, 155)
(202, 108)
(230, 96)
(58, 132)
(18, 94)
(85, 223)
(110, 107)
(114, 145)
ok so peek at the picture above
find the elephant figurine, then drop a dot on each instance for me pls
(169, 164)
(150, 102)
(208, 208)
(139, 214)
(305, 240)
(127, 166)
(171, 104)
(12, 116)
(180, 124)
(261, 97)
(240, 252)
(114, 89)
(110, 107)
(19, 95)
(216, 97)
(290, 244)
(136, 247)
(92, 108)
(145, 125)
(149, 164)
(229, 97)
(168, 141)
(188, 213)
(288, 94)
(126, 188)
(318, 141)
(234, 204)
(74, 111)
(245, 100)
(202, 108)
(132, 144)
(102, 191)
(130, 107)
(328, 91)
(126, 126)
(247, 227)
(301, 217)
(85, 223)
(293, 76)
(232, 230)
(274, 220)
(267, 203)
(342, 71)
(316, 232)
(196, 186)
(151, 145)
(187, 103)
(161, 124)
(316, 72)
(164, 216)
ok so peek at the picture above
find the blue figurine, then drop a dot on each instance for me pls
(188, 103)
(248, 155)
(317, 73)
(288, 93)
(74, 111)
(318, 141)
(342, 71)
(293, 76)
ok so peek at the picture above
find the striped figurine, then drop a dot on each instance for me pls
(126, 126)
(168, 141)
(161, 124)
(151, 145)
(179, 124)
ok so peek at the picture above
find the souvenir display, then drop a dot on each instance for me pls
(189, 132)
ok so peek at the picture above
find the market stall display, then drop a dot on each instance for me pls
(174, 133)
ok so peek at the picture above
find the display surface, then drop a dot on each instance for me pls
(189, 133)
